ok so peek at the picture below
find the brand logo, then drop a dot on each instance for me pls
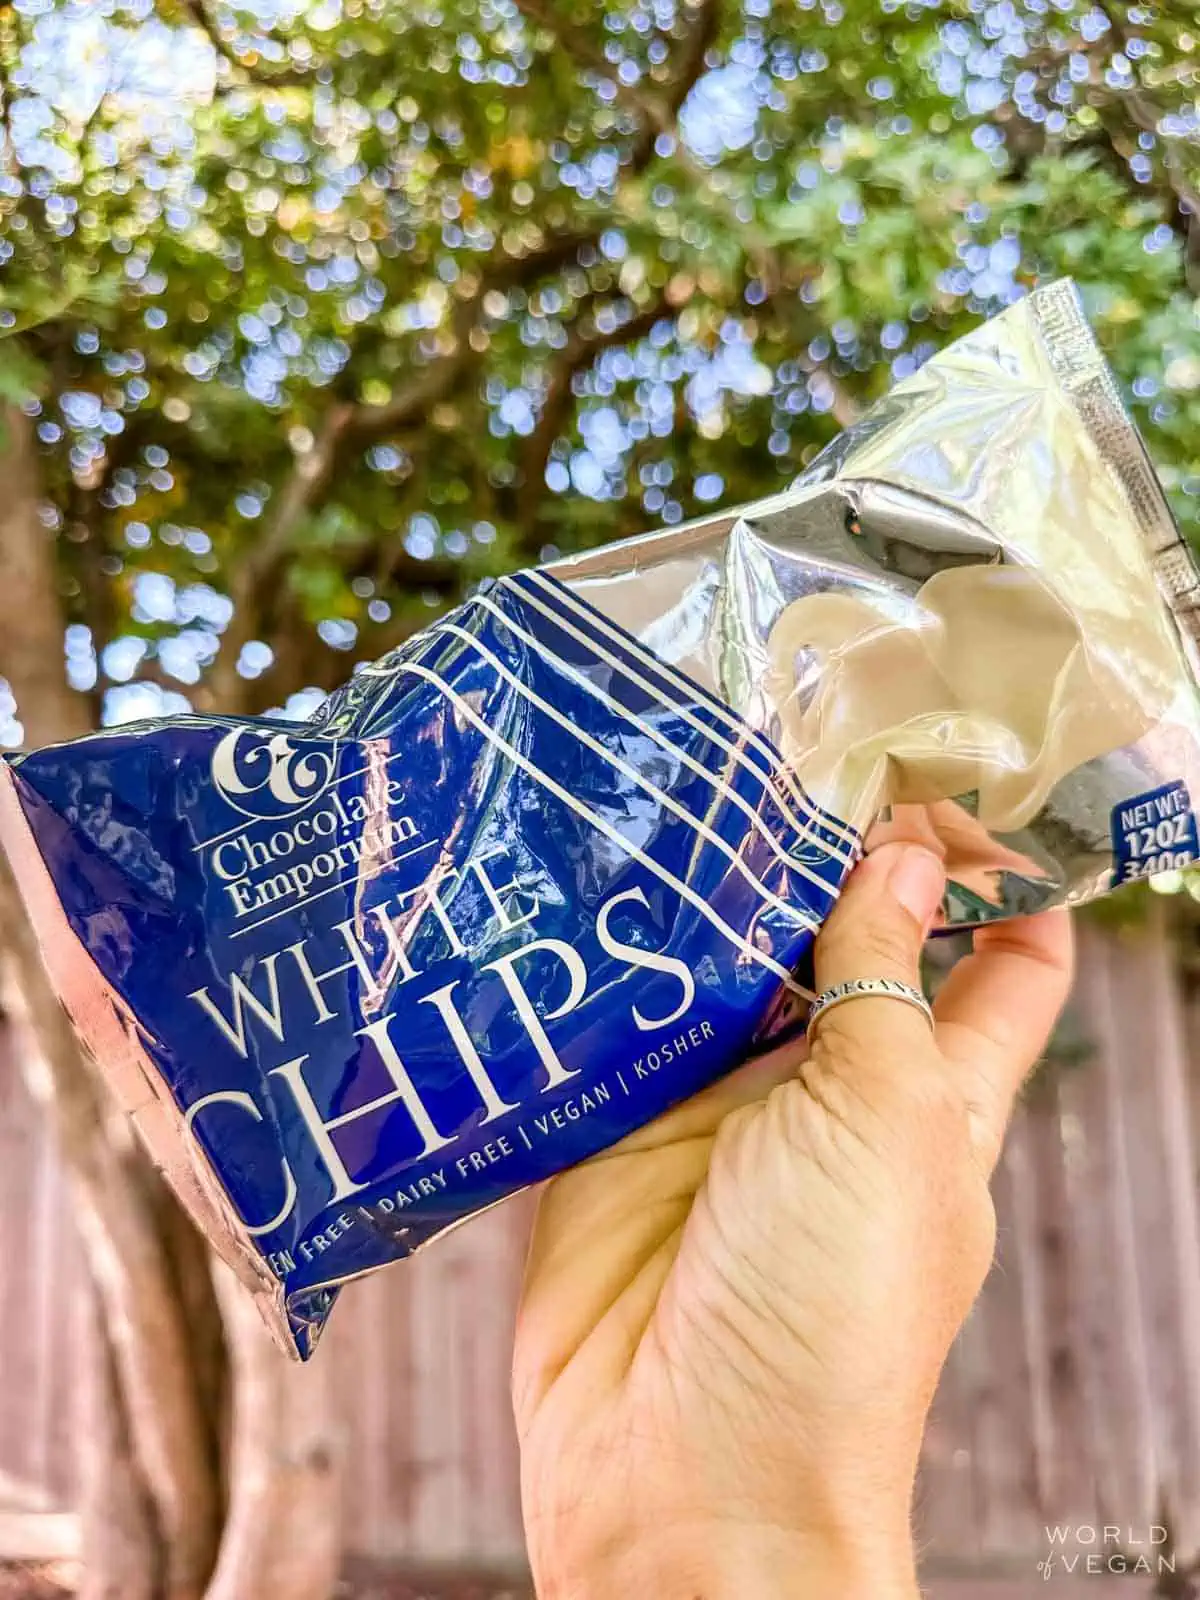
(266, 776)
(1089, 1550)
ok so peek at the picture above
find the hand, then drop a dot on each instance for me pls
(734, 1321)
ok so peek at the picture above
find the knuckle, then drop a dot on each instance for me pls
(879, 948)
(890, 944)
(844, 1035)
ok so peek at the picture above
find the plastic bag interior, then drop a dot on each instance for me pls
(554, 864)
(971, 624)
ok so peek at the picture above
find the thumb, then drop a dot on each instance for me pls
(876, 931)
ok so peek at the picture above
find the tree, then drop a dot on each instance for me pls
(314, 316)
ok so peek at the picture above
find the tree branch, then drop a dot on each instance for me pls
(115, 1187)
(351, 428)
(661, 116)
(31, 645)
(1140, 112)
(579, 45)
(261, 569)
(581, 349)
(368, 423)
(271, 78)
(348, 427)
(658, 112)
(7, 146)
(557, 251)
(304, 660)
(1146, 115)
(96, 603)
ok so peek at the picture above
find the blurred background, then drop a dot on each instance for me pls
(314, 313)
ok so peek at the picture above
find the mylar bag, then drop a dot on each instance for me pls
(554, 864)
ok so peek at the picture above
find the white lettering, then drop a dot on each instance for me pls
(223, 871)
(443, 1000)
(397, 938)
(427, 898)
(321, 1129)
(314, 980)
(652, 960)
(505, 966)
(494, 891)
(242, 895)
(245, 999)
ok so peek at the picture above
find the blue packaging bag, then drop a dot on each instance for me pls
(551, 866)
(515, 890)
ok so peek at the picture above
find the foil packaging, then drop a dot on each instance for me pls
(556, 862)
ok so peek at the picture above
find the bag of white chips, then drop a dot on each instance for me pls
(973, 622)
(552, 865)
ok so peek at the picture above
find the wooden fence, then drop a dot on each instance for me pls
(1072, 1399)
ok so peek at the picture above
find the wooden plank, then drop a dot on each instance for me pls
(41, 1338)
(1109, 1339)
(472, 1316)
(424, 1356)
(1002, 1397)
(438, 1276)
(1161, 1165)
(339, 1344)
(1061, 1588)
(21, 1173)
(1021, 1217)
(51, 1237)
(1049, 1267)
(355, 1345)
(1169, 1052)
(946, 1511)
(1191, 1046)
(520, 1222)
(78, 1351)
(377, 1381)
(401, 1465)
(39, 1536)
(492, 1446)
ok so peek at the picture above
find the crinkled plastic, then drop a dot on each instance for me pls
(554, 864)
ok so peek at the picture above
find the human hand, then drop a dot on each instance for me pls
(734, 1321)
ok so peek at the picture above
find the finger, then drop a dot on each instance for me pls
(997, 1008)
(876, 931)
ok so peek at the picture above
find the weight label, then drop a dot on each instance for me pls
(1154, 832)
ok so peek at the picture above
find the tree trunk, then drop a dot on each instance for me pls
(155, 1480)
(283, 1533)
(32, 653)
(114, 1186)
(120, 1539)
(116, 1194)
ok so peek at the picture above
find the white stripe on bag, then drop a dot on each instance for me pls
(804, 826)
(597, 822)
(660, 796)
(756, 821)
(779, 768)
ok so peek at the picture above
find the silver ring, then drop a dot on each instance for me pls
(876, 988)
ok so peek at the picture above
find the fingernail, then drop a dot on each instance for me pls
(917, 880)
